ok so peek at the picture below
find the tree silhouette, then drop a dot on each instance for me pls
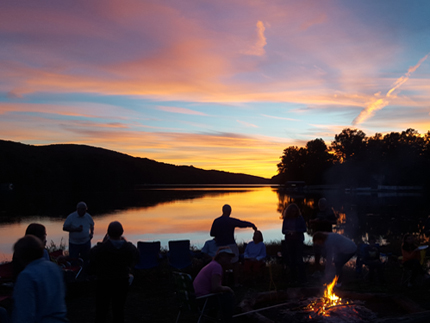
(356, 160)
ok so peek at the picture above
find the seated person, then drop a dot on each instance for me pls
(39, 292)
(371, 258)
(39, 231)
(411, 257)
(255, 253)
(209, 280)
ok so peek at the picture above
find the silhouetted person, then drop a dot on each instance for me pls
(339, 250)
(323, 222)
(223, 230)
(293, 227)
(38, 230)
(209, 280)
(80, 226)
(39, 292)
(111, 261)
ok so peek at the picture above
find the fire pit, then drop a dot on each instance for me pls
(330, 308)
(301, 305)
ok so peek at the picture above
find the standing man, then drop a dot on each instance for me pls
(223, 230)
(80, 226)
(39, 292)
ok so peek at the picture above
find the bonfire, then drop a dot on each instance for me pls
(322, 306)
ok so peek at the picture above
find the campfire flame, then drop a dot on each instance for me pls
(322, 305)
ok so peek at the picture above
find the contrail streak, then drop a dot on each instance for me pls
(369, 111)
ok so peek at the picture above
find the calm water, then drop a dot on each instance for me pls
(187, 213)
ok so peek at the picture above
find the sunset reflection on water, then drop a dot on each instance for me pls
(175, 220)
(169, 213)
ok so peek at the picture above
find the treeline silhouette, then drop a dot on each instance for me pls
(80, 168)
(355, 160)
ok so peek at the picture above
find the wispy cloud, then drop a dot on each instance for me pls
(258, 48)
(247, 124)
(280, 118)
(181, 111)
(378, 104)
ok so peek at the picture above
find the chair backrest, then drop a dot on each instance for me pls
(149, 254)
(179, 254)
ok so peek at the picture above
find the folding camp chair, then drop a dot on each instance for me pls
(184, 291)
(179, 255)
(149, 254)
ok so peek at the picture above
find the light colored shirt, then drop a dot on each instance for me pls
(39, 294)
(210, 248)
(255, 251)
(337, 245)
(74, 220)
(203, 282)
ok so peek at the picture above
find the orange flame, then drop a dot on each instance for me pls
(322, 305)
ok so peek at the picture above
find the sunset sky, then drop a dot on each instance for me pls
(217, 84)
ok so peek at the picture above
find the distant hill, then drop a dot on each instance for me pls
(68, 167)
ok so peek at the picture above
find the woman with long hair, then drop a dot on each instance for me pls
(293, 227)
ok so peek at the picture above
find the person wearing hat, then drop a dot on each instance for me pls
(111, 261)
(80, 226)
(209, 280)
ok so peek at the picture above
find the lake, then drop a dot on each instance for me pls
(175, 213)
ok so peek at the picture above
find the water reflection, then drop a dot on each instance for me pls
(387, 216)
(168, 213)
(159, 214)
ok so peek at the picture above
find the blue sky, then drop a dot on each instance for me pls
(221, 85)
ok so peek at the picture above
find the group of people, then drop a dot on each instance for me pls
(39, 289)
(338, 250)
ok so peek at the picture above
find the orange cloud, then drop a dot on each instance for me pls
(258, 48)
(381, 103)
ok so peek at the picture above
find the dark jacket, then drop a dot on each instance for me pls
(113, 260)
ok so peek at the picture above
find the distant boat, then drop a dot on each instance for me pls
(295, 186)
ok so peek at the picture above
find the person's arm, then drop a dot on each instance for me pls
(243, 224)
(285, 228)
(329, 265)
(69, 227)
(217, 287)
(213, 232)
